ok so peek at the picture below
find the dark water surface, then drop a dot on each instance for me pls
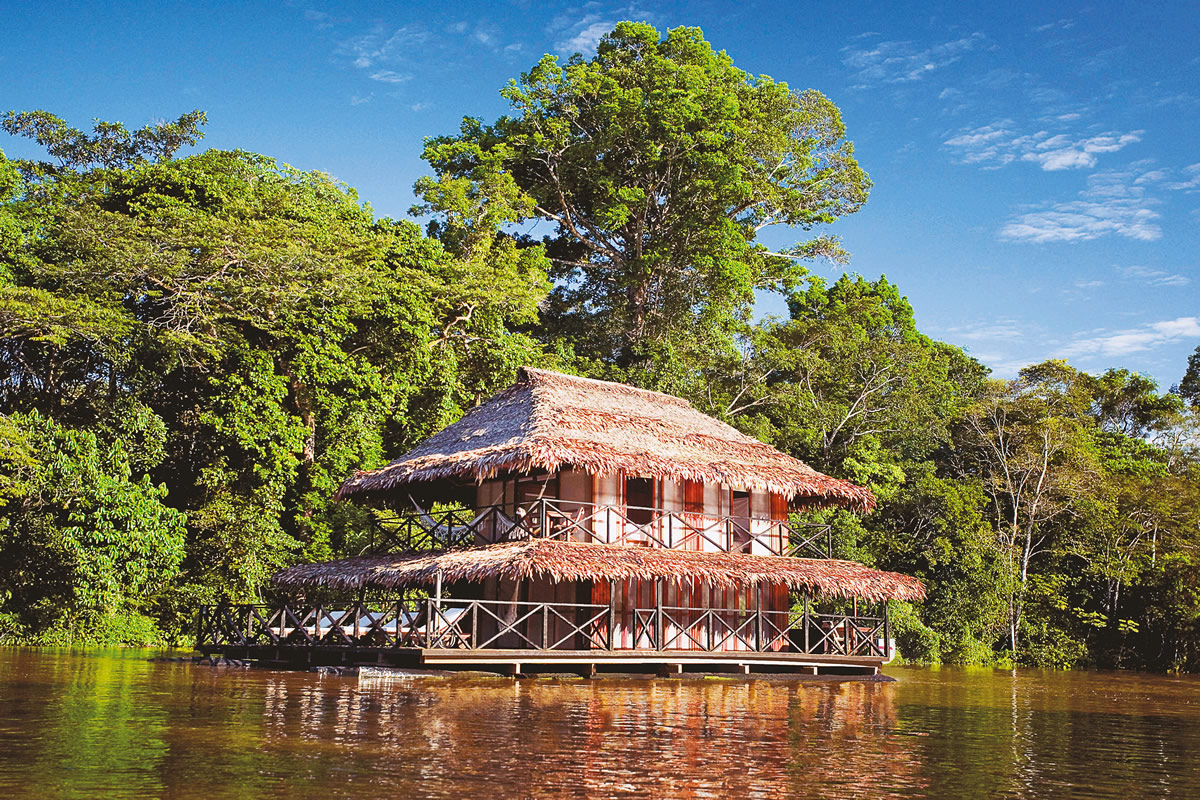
(115, 725)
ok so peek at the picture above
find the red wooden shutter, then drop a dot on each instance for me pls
(779, 509)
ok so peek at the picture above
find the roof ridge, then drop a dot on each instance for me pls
(536, 376)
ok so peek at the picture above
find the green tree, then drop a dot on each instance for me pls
(1189, 386)
(273, 330)
(655, 163)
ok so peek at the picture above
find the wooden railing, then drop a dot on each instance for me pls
(587, 522)
(500, 625)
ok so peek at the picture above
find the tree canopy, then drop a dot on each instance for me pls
(655, 164)
(195, 350)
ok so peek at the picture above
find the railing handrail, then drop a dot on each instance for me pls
(529, 625)
(557, 518)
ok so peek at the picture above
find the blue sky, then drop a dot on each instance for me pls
(1036, 165)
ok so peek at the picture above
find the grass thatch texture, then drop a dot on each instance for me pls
(548, 421)
(576, 561)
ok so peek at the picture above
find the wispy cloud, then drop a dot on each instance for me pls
(901, 62)
(1155, 277)
(579, 29)
(1190, 181)
(1060, 25)
(383, 45)
(1114, 203)
(586, 39)
(1134, 340)
(1003, 329)
(997, 144)
(390, 76)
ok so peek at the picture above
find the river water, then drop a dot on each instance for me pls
(112, 724)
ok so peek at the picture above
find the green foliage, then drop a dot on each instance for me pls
(196, 351)
(656, 162)
(915, 641)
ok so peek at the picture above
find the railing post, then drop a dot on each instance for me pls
(474, 623)
(658, 614)
(542, 532)
(806, 623)
(545, 624)
(887, 632)
(612, 614)
(758, 627)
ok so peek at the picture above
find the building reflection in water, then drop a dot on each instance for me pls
(678, 738)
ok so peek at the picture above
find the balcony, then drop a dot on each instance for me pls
(431, 631)
(568, 520)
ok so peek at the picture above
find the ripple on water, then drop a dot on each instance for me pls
(115, 725)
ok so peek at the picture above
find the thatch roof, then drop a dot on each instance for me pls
(548, 421)
(576, 561)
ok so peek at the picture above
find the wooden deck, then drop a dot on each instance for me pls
(583, 662)
(516, 638)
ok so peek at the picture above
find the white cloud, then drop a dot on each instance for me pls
(1155, 277)
(1189, 183)
(383, 45)
(998, 144)
(1088, 284)
(995, 330)
(1060, 152)
(1081, 220)
(585, 40)
(1062, 25)
(1135, 340)
(901, 62)
(356, 100)
(1114, 203)
(389, 76)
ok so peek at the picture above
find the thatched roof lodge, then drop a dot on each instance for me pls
(548, 421)
(574, 561)
(588, 525)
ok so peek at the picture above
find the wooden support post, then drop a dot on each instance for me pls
(474, 623)
(658, 614)
(887, 632)
(545, 625)
(805, 622)
(612, 615)
(758, 626)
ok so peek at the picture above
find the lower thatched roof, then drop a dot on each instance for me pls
(575, 561)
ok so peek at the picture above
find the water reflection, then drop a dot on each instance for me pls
(115, 725)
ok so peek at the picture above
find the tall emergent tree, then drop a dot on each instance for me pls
(655, 163)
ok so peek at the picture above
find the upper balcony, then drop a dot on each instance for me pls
(569, 520)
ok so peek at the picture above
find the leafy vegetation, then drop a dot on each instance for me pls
(196, 350)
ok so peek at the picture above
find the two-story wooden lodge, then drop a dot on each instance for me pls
(575, 524)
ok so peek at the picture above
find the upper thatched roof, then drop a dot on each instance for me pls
(576, 561)
(548, 421)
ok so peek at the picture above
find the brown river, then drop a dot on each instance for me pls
(112, 724)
